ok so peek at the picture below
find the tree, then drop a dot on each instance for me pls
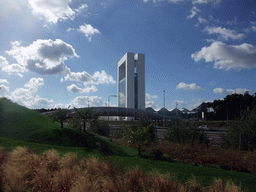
(61, 115)
(85, 115)
(140, 135)
(242, 133)
(180, 131)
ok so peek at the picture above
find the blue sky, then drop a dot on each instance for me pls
(61, 52)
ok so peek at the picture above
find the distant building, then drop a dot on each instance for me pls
(131, 81)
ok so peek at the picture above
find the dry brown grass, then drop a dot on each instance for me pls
(24, 170)
(230, 159)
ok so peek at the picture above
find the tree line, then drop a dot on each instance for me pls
(232, 107)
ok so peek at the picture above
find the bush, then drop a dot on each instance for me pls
(140, 135)
(185, 132)
(26, 171)
(100, 127)
(242, 133)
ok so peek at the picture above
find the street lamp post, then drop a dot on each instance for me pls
(164, 98)
(164, 106)
(109, 104)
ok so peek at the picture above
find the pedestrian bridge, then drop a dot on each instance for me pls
(127, 112)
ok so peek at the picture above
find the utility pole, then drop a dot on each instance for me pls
(88, 103)
(176, 108)
(109, 104)
(164, 98)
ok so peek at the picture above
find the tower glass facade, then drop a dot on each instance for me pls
(135, 90)
(121, 94)
(131, 81)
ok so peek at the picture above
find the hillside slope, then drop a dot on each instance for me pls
(20, 123)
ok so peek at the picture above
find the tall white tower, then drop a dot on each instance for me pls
(131, 81)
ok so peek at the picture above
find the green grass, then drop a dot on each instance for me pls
(20, 126)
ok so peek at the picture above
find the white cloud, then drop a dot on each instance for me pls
(232, 22)
(193, 12)
(205, 1)
(252, 28)
(180, 103)
(84, 77)
(82, 101)
(97, 78)
(53, 10)
(27, 96)
(14, 68)
(74, 89)
(42, 56)
(201, 20)
(34, 83)
(150, 97)
(3, 61)
(70, 29)
(4, 89)
(191, 87)
(3, 81)
(224, 33)
(81, 8)
(151, 104)
(103, 78)
(193, 1)
(88, 30)
(229, 91)
(228, 56)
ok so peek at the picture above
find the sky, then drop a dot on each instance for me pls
(64, 53)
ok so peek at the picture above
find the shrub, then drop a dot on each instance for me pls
(185, 132)
(27, 171)
(141, 135)
(100, 127)
(242, 133)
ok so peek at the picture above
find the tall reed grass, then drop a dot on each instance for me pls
(24, 170)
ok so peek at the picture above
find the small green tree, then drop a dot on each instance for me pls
(140, 135)
(60, 115)
(241, 134)
(85, 116)
(180, 131)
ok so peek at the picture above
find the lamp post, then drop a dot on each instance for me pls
(164, 98)
(109, 104)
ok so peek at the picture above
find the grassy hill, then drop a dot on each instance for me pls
(20, 123)
(20, 126)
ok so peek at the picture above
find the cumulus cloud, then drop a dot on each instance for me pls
(193, 12)
(74, 89)
(150, 97)
(229, 91)
(4, 89)
(190, 87)
(252, 28)
(88, 30)
(224, 33)
(201, 20)
(27, 96)
(82, 101)
(42, 56)
(53, 10)
(151, 104)
(103, 78)
(97, 78)
(228, 56)
(14, 68)
(84, 77)
(3, 81)
(205, 1)
(34, 83)
(180, 103)
(3, 61)
(80, 8)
